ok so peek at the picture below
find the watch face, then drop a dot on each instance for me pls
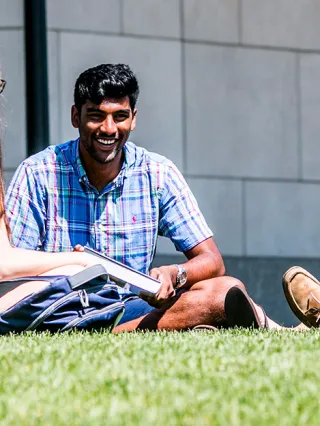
(182, 276)
(183, 280)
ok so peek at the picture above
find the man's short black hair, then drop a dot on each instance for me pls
(106, 81)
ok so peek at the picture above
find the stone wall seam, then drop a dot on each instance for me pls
(299, 118)
(240, 22)
(244, 218)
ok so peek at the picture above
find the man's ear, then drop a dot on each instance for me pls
(134, 117)
(75, 118)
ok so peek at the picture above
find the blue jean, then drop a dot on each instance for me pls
(135, 308)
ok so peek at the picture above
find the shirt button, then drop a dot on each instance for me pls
(100, 226)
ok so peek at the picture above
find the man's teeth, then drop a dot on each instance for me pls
(106, 141)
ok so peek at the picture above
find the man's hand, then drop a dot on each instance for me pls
(78, 247)
(166, 290)
(86, 258)
(165, 274)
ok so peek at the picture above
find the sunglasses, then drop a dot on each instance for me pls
(2, 85)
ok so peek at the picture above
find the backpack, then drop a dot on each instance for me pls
(86, 300)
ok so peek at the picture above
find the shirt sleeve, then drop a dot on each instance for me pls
(25, 207)
(180, 217)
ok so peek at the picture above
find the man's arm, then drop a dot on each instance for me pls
(204, 262)
(181, 220)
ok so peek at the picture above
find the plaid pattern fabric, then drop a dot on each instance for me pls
(52, 206)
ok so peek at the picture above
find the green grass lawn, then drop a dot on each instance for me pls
(239, 377)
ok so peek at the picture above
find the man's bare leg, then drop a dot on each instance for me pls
(204, 303)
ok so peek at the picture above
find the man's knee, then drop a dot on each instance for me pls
(208, 299)
(218, 286)
(232, 282)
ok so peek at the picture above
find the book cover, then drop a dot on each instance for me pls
(127, 277)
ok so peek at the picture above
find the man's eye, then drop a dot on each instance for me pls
(95, 117)
(121, 117)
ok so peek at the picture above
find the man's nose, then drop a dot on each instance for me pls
(109, 126)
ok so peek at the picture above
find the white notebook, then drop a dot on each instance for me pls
(124, 276)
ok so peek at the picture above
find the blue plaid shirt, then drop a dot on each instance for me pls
(52, 206)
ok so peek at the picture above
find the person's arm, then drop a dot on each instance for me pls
(182, 222)
(16, 262)
(204, 262)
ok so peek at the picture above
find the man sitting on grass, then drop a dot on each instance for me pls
(103, 191)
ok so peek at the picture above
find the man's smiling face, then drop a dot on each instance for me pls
(104, 128)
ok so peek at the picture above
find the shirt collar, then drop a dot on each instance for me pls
(129, 154)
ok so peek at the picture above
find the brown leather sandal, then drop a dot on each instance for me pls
(241, 312)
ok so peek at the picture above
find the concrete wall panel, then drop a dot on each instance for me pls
(241, 112)
(211, 20)
(310, 115)
(12, 103)
(221, 204)
(152, 18)
(281, 23)
(54, 86)
(282, 219)
(11, 13)
(84, 15)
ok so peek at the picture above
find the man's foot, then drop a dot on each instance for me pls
(242, 312)
(302, 291)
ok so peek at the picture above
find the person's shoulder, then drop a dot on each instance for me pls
(143, 158)
(52, 155)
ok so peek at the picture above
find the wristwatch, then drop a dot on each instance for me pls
(181, 276)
